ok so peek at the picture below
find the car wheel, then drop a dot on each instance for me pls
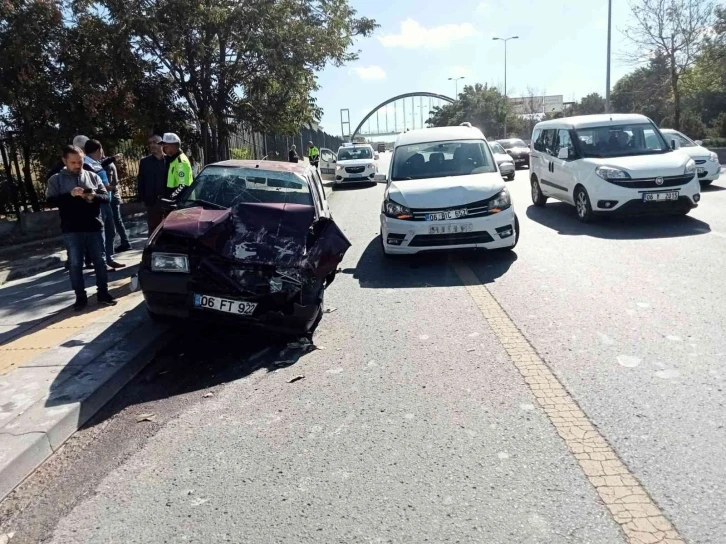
(706, 182)
(583, 206)
(538, 199)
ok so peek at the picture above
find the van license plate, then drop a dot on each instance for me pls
(660, 197)
(449, 214)
(451, 229)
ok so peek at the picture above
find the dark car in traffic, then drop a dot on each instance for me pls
(518, 150)
(250, 243)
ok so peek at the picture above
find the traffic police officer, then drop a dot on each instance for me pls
(179, 174)
(313, 154)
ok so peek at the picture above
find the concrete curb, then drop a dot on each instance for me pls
(87, 384)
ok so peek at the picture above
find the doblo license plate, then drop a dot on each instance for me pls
(237, 307)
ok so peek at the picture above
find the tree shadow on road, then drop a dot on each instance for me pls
(377, 271)
(562, 218)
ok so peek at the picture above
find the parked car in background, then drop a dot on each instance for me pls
(518, 150)
(611, 164)
(356, 164)
(708, 166)
(504, 161)
(249, 244)
(445, 192)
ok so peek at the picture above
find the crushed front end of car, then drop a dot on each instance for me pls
(256, 263)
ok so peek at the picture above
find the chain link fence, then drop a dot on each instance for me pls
(15, 194)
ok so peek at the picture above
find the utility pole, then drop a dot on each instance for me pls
(505, 40)
(607, 74)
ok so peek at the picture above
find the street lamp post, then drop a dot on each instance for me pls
(456, 85)
(607, 73)
(505, 40)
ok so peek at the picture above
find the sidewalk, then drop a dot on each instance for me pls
(59, 367)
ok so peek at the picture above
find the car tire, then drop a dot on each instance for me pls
(538, 199)
(583, 206)
(706, 182)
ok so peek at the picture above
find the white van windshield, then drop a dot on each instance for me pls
(353, 153)
(621, 140)
(441, 159)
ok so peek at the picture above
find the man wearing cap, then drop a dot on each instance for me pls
(179, 174)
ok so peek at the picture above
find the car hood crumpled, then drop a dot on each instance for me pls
(266, 234)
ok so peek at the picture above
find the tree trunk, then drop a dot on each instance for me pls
(28, 177)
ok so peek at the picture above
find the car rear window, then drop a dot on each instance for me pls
(228, 186)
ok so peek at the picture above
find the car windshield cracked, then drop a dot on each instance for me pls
(225, 187)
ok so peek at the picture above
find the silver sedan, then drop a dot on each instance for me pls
(504, 161)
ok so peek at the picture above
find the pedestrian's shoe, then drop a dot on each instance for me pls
(81, 303)
(88, 266)
(122, 248)
(115, 265)
(105, 299)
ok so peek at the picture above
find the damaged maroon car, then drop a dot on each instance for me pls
(249, 242)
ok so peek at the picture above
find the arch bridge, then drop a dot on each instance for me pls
(397, 114)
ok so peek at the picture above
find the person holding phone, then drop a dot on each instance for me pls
(78, 194)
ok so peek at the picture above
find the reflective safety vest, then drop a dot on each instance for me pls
(179, 175)
(313, 152)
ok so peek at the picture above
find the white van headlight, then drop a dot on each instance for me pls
(500, 202)
(609, 173)
(395, 210)
(169, 262)
(690, 167)
(713, 157)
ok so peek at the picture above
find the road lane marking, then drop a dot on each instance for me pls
(625, 497)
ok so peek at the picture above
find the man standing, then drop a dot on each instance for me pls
(78, 194)
(152, 182)
(109, 166)
(292, 154)
(92, 163)
(313, 154)
(179, 174)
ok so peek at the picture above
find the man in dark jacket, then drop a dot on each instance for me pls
(292, 154)
(78, 195)
(152, 182)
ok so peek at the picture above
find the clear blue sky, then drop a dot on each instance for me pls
(560, 50)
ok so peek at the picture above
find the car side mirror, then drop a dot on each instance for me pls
(698, 142)
(675, 144)
(563, 153)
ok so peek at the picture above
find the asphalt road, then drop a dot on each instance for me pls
(410, 422)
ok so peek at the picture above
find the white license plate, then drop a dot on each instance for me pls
(451, 229)
(354, 178)
(443, 216)
(701, 170)
(237, 307)
(660, 197)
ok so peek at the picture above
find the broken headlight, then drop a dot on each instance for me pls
(169, 262)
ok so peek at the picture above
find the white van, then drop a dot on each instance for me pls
(444, 192)
(611, 164)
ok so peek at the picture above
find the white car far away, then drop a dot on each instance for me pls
(355, 164)
(708, 166)
(611, 164)
(445, 192)
(504, 161)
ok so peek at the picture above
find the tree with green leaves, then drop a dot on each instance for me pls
(232, 62)
(590, 104)
(677, 31)
(482, 106)
(646, 90)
